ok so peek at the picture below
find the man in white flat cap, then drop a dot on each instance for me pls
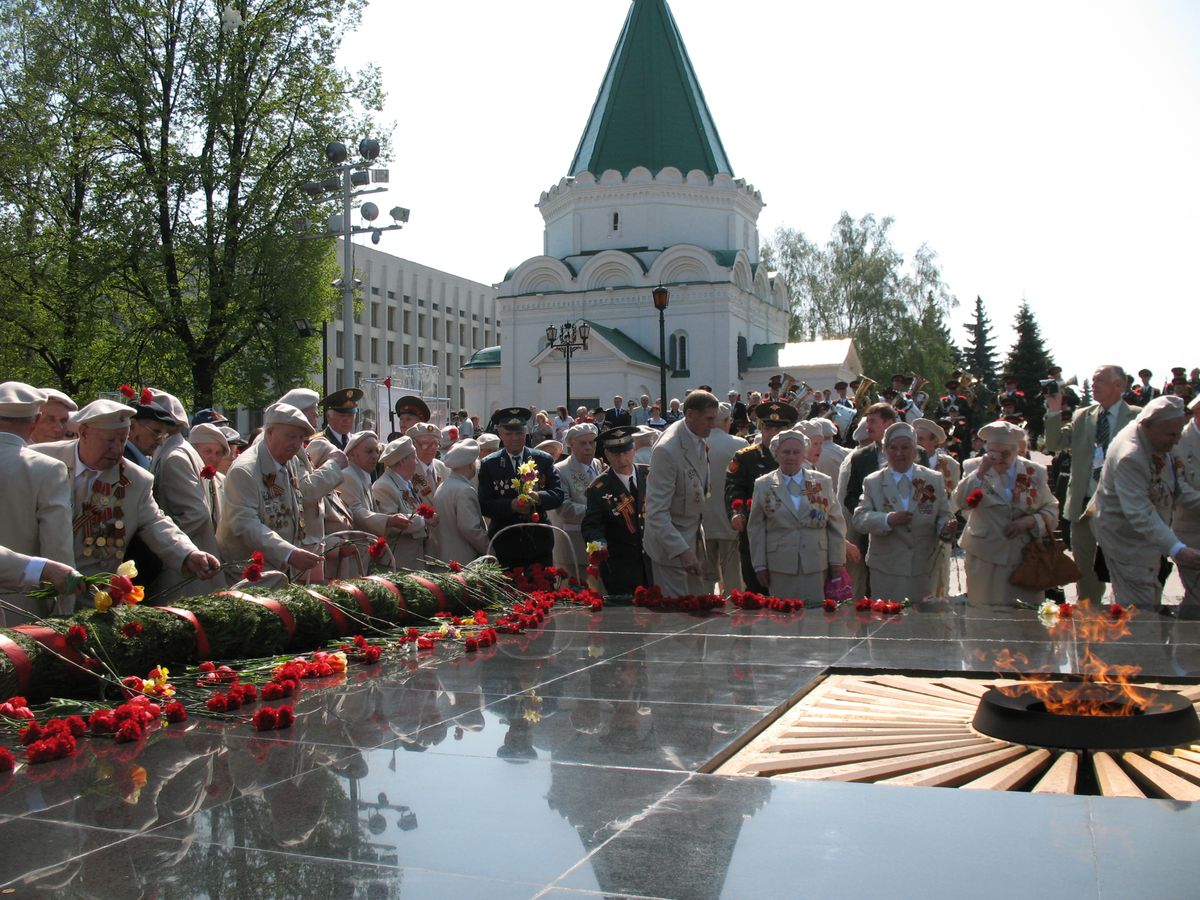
(182, 492)
(431, 471)
(53, 419)
(463, 536)
(316, 483)
(1187, 520)
(262, 506)
(722, 564)
(212, 444)
(37, 495)
(1142, 485)
(575, 474)
(112, 499)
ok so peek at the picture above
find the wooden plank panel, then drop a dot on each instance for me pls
(1189, 770)
(1060, 779)
(968, 686)
(911, 696)
(1159, 780)
(1192, 755)
(897, 765)
(952, 773)
(842, 704)
(929, 688)
(775, 763)
(1191, 691)
(1013, 775)
(1113, 781)
(802, 729)
(795, 745)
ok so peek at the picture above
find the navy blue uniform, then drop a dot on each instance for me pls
(617, 518)
(520, 546)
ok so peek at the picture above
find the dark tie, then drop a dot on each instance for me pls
(1102, 430)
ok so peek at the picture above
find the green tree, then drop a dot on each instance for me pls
(1087, 391)
(979, 355)
(858, 286)
(171, 229)
(1029, 360)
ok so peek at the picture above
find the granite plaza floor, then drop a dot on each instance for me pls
(565, 765)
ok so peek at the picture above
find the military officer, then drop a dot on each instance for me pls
(507, 506)
(747, 466)
(340, 409)
(409, 411)
(575, 473)
(953, 405)
(615, 515)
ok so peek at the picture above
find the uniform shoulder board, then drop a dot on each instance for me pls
(749, 448)
(596, 482)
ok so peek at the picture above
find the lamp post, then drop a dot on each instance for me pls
(347, 181)
(567, 338)
(306, 330)
(661, 298)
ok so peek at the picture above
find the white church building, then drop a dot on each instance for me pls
(651, 199)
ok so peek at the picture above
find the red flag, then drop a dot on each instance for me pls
(387, 382)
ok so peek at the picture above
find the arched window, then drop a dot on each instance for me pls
(616, 221)
(677, 352)
(683, 351)
(672, 352)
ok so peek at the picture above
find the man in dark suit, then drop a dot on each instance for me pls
(340, 409)
(616, 507)
(505, 505)
(618, 416)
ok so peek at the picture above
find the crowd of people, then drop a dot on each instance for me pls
(795, 493)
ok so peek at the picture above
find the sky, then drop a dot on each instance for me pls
(1044, 150)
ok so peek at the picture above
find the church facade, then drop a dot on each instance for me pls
(651, 201)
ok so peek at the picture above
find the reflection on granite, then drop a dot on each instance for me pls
(564, 763)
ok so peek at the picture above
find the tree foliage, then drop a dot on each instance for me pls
(153, 161)
(979, 354)
(859, 286)
(1030, 361)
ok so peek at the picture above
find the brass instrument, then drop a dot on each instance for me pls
(917, 383)
(1073, 381)
(789, 381)
(860, 393)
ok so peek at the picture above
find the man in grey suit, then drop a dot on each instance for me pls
(1187, 521)
(676, 490)
(1140, 490)
(1087, 435)
(721, 562)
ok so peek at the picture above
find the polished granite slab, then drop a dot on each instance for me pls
(565, 764)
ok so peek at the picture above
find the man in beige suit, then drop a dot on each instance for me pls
(113, 501)
(796, 530)
(721, 561)
(905, 510)
(262, 504)
(676, 491)
(575, 474)
(19, 572)
(37, 493)
(182, 493)
(315, 483)
(1187, 521)
(1087, 436)
(53, 418)
(463, 535)
(1141, 488)
(431, 472)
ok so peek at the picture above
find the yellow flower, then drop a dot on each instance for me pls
(337, 661)
(102, 601)
(594, 546)
(128, 569)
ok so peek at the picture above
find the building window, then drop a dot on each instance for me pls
(407, 354)
(339, 345)
(391, 353)
(420, 354)
(374, 350)
(391, 319)
(677, 352)
(407, 322)
(391, 295)
(374, 290)
(357, 347)
(435, 357)
(743, 355)
(421, 325)
(462, 335)
(616, 221)
(449, 332)
(374, 315)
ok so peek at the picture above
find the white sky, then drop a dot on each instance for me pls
(1043, 149)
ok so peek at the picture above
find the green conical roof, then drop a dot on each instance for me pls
(650, 110)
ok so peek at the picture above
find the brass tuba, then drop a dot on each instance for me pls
(860, 393)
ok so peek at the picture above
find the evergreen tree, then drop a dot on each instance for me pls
(1087, 391)
(979, 356)
(1029, 361)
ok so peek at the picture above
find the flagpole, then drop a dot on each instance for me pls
(387, 382)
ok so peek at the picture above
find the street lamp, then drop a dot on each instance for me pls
(567, 338)
(661, 298)
(306, 330)
(349, 180)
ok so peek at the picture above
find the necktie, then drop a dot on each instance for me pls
(794, 487)
(905, 487)
(1102, 430)
(704, 444)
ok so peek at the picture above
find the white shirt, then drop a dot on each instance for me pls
(899, 477)
(799, 479)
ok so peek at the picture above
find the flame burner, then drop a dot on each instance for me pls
(1117, 721)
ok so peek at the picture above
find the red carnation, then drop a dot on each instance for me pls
(103, 721)
(145, 398)
(974, 498)
(425, 511)
(285, 716)
(378, 548)
(129, 732)
(738, 505)
(1116, 611)
(371, 655)
(218, 703)
(77, 635)
(1066, 610)
(252, 573)
(131, 629)
(829, 604)
(175, 712)
(471, 644)
(266, 719)
(6, 760)
(454, 566)
(257, 558)
(127, 391)
(208, 666)
(208, 472)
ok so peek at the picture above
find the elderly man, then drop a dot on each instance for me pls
(315, 483)
(640, 414)
(1007, 503)
(721, 562)
(37, 495)
(677, 490)
(463, 537)
(506, 506)
(616, 506)
(363, 451)
(262, 504)
(1141, 487)
(396, 495)
(113, 502)
(151, 425)
(905, 510)
(575, 474)
(409, 411)
(53, 420)
(340, 407)
(747, 466)
(1187, 521)
(931, 438)
(213, 446)
(181, 492)
(1087, 435)
(796, 528)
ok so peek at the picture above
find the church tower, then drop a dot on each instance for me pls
(650, 199)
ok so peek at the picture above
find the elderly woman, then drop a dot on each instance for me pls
(395, 496)
(1007, 503)
(575, 474)
(931, 438)
(463, 535)
(796, 531)
(212, 445)
(905, 510)
(341, 557)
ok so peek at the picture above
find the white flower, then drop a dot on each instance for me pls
(128, 569)
(1048, 613)
(231, 19)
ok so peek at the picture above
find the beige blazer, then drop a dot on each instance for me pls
(37, 501)
(1186, 522)
(675, 496)
(184, 496)
(355, 492)
(574, 478)
(721, 447)
(1136, 501)
(410, 546)
(460, 522)
(831, 459)
(139, 512)
(983, 536)
(1079, 436)
(339, 518)
(252, 518)
(12, 570)
(792, 539)
(315, 485)
(906, 549)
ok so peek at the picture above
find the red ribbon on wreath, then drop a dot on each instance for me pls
(289, 623)
(339, 621)
(203, 650)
